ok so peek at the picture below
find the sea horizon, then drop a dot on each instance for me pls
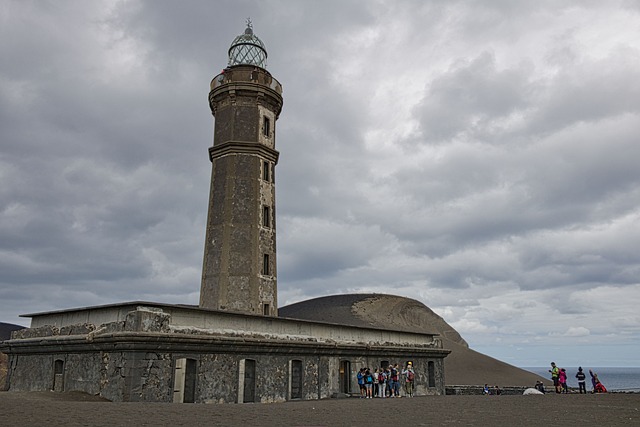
(614, 378)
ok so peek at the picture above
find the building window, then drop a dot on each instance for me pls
(58, 367)
(265, 309)
(265, 171)
(266, 217)
(265, 264)
(266, 126)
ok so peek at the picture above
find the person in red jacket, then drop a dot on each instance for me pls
(598, 387)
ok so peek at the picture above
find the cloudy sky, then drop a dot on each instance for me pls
(480, 157)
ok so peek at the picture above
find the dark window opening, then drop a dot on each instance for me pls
(266, 216)
(265, 171)
(265, 309)
(265, 264)
(384, 364)
(296, 379)
(266, 127)
(58, 367)
(432, 374)
(249, 383)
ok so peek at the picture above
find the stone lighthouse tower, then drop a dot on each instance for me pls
(239, 269)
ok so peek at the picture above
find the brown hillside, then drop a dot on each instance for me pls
(6, 329)
(463, 366)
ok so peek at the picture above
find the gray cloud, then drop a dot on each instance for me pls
(478, 157)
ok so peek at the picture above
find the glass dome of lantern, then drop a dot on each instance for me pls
(248, 49)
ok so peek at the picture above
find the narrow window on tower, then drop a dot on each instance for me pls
(265, 309)
(266, 217)
(265, 171)
(266, 126)
(265, 264)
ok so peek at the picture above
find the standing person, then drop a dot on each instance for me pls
(387, 373)
(382, 383)
(360, 377)
(409, 376)
(555, 376)
(581, 380)
(368, 383)
(375, 382)
(395, 389)
(562, 379)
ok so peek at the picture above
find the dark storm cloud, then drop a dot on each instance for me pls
(474, 156)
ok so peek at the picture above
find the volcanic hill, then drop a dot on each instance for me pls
(463, 366)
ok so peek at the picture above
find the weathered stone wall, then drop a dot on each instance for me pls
(81, 371)
(112, 375)
(218, 378)
(32, 373)
(148, 376)
(136, 360)
(238, 243)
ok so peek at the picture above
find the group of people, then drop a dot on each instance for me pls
(495, 391)
(559, 378)
(386, 381)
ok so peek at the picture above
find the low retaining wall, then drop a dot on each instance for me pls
(468, 390)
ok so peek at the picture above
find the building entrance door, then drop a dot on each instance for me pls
(296, 379)
(58, 375)
(184, 382)
(190, 381)
(345, 376)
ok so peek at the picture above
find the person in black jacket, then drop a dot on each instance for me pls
(581, 381)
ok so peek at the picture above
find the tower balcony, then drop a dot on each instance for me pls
(246, 74)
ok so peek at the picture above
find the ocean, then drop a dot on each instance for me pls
(614, 379)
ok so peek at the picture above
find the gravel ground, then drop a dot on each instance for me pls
(77, 409)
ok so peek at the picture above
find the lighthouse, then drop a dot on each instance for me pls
(239, 271)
